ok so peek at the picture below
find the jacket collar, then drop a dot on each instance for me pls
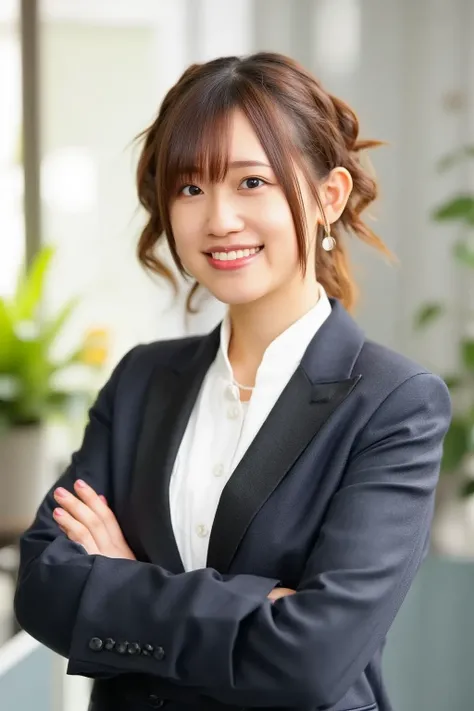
(318, 386)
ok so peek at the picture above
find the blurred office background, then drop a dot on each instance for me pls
(78, 80)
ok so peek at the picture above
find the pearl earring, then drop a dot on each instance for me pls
(329, 241)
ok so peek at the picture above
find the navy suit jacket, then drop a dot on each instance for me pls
(333, 498)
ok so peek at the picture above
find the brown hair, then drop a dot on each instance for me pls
(293, 117)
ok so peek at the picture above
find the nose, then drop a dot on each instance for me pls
(222, 217)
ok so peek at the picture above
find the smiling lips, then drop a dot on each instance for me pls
(232, 257)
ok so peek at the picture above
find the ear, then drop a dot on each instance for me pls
(335, 192)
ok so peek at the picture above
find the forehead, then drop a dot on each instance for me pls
(243, 142)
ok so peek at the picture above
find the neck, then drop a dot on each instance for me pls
(254, 326)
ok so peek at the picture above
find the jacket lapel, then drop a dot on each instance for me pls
(171, 397)
(296, 419)
(319, 385)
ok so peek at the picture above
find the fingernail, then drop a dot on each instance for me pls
(60, 492)
(81, 484)
(101, 496)
(58, 512)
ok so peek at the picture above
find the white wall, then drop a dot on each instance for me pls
(414, 59)
(398, 63)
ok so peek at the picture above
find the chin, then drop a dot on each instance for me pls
(237, 298)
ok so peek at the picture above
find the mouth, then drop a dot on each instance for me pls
(233, 258)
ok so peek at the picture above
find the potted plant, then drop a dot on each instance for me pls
(454, 530)
(31, 393)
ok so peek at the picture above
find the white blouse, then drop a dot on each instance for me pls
(221, 428)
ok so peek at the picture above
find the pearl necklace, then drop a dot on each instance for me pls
(242, 387)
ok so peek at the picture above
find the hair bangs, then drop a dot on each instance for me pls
(280, 143)
(197, 147)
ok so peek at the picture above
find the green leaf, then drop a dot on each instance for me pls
(30, 288)
(467, 489)
(460, 208)
(467, 351)
(7, 337)
(427, 314)
(51, 330)
(27, 369)
(454, 157)
(456, 445)
(464, 253)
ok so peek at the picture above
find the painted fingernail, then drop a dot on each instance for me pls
(80, 484)
(60, 492)
(58, 512)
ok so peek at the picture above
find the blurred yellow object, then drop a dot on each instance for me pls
(96, 347)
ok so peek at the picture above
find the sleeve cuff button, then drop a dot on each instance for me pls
(159, 653)
(134, 648)
(147, 650)
(96, 644)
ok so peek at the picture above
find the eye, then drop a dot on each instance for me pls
(253, 183)
(190, 190)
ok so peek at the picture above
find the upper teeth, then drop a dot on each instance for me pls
(238, 254)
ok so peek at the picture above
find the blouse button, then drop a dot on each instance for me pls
(233, 412)
(202, 530)
(218, 470)
(232, 392)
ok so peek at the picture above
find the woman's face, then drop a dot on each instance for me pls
(237, 237)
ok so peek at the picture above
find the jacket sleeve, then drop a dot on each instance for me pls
(222, 635)
(57, 578)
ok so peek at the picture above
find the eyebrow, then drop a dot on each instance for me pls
(193, 170)
(247, 164)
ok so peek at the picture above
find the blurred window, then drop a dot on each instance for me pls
(12, 228)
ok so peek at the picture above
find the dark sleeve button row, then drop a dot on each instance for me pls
(148, 650)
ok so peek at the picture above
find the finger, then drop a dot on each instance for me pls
(98, 504)
(84, 515)
(75, 531)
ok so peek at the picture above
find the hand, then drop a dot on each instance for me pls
(276, 593)
(89, 521)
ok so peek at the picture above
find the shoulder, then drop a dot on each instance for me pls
(166, 352)
(378, 362)
(392, 380)
(144, 357)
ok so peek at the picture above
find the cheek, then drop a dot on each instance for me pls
(274, 218)
(184, 230)
(275, 212)
(277, 228)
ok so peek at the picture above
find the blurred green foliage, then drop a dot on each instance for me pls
(28, 394)
(459, 442)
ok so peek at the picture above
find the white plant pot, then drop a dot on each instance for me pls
(25, 477)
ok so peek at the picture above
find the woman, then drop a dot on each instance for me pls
(248, 508)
